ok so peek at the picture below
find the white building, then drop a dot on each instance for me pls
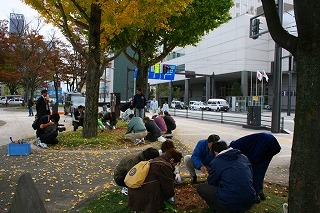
(232, 56)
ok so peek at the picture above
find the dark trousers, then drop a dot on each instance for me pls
(50, 138)
(30, 111)
(120, 180)
(258, 172)
(76, 124)
(151, 137)
(208, 193)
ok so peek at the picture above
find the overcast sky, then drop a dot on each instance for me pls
(31, 15)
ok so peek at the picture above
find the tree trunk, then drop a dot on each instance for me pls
(92, 93)
(142, 79)
(304, 182)
(304, 190)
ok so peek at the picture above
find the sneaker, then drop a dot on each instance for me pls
(38, 141)
(40, 144)
(43, 145)
(124, 190)
(137, 141)
(161, 139)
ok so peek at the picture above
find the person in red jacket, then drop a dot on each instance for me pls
(160, 123)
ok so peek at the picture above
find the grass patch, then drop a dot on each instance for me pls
(186, 200)
(106, 140)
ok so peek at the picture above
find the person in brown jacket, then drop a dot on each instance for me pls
(158, 186)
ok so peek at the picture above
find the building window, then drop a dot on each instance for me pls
(180, 68)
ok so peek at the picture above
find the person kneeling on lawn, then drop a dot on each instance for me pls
(201, 157)
(154, 132)
(128, 162)
(48, 130)
(230, 185)
(158, 185)
(136, 130)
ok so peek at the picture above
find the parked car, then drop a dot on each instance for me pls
(72, 101)
(217, 105)
(15, 102)
(177, 105)
(197, 105)
(3, 100)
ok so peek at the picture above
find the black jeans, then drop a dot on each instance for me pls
(208, 193)
(49, 138)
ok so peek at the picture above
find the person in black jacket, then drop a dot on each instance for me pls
(170, 122)
(260, 149)
(30, 105)
(47, 131)
(42, 105)
(139, 103)
(79, 118)
(154, 132)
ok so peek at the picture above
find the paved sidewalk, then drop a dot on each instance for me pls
(63, 178)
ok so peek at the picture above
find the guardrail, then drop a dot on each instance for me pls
(239, 119)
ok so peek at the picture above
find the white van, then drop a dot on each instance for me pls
(217, 105)
(196, 105)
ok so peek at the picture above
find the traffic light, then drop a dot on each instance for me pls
(255, 28)
(165, 68)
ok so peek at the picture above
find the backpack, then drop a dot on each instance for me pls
(137, 174)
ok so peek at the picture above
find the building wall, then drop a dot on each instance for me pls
(17, 23)
(120, 73)
(227, 49)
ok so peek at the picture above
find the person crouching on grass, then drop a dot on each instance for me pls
(158, 186)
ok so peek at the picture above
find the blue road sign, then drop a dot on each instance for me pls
(166, 72)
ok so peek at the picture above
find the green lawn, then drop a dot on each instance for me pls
(113, 201)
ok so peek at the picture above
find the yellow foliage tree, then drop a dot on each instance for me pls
(100, 22)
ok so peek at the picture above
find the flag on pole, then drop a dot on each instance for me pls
(259, 75)
(265, 75)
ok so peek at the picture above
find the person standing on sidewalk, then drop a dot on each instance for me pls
(139, 103)
(201, 157)
(42, 105)
(154, 106)
(30, 105)
(165, 107)
(260, 149)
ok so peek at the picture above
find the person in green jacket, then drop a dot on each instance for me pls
(128, 162)
(136, 130)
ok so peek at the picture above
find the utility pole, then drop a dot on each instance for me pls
(277, 81)
(289, 86)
